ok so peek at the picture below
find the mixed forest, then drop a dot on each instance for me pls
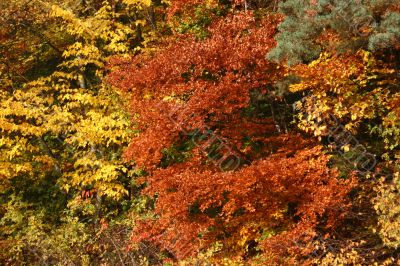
(189, 132)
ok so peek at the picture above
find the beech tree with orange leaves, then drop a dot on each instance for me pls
(194, 103)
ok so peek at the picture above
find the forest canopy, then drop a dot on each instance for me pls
(243, 132)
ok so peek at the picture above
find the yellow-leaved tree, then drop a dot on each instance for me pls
(63, 134)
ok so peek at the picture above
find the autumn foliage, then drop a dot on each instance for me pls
(193, 91)
(229, 132)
